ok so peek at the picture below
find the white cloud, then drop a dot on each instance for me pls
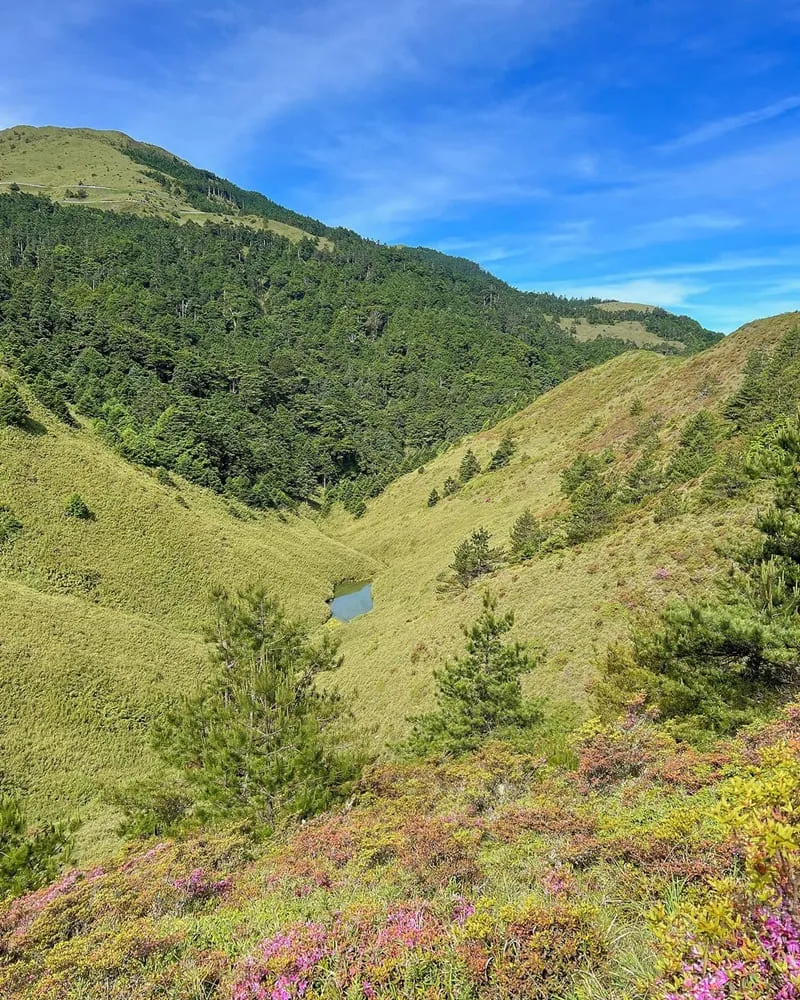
(290, 59)
(732, 123)
(652, 291)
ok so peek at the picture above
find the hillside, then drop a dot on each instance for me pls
(577, 599)
(102, 619)
(111, 171)
(492, 877)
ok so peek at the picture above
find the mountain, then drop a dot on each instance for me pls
(103, 618)
(111, 171)
(265, 401)
(265, 368)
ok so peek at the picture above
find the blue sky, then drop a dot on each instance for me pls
(639, 149)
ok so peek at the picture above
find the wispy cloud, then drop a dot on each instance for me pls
(317, 56)
(732, 123)
(387, 178)
(668, 294)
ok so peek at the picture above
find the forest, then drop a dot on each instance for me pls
(270, 370)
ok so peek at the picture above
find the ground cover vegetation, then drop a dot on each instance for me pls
(649, 870)
(637, 865)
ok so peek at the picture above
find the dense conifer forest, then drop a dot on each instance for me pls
(268, 369)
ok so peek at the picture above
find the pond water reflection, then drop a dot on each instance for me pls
(351, 600)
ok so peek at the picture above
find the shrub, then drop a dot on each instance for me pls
(14, 410)
(78, 508)
(535, 953)
(738, 942)
(450, 486)
(504, 453)
(593, 510)
(469, 468)
(697, 447)
(671, 505)
(474, 557)
(29, 858)
(433, 497)
(10, 526)
(527, 535)
(584, 468)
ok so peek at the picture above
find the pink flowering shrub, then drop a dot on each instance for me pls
(360, 955)
(761, 959)
(199, 885)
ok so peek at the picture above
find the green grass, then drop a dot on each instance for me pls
(53, 161)
(631, 330)
(575, 601)
(100, 620)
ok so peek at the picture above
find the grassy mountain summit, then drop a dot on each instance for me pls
(111, 171)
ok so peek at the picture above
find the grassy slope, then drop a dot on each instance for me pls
(631, 330)
(99, 619)
(53, 160)
(577, 600)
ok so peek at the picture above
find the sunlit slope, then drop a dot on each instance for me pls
(65, 162)
(99, 619)
(574, 601)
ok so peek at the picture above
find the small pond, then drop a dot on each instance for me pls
(351, 600)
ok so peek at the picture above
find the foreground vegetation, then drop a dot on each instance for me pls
(637, 859)
(650, 870)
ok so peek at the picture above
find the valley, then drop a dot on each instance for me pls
(272, 496)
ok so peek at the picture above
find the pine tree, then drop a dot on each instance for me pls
(78, 508)
(592, 512)
(470, 466)
(450, 486)
(29, 858)
(479, 694)
(527, 535)
(584, 468)
(475, 557)
(502, 456)
(696, 449)
(713, 665)
(14, 411)
(746, 405)
(262, 740)
(433, 497)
